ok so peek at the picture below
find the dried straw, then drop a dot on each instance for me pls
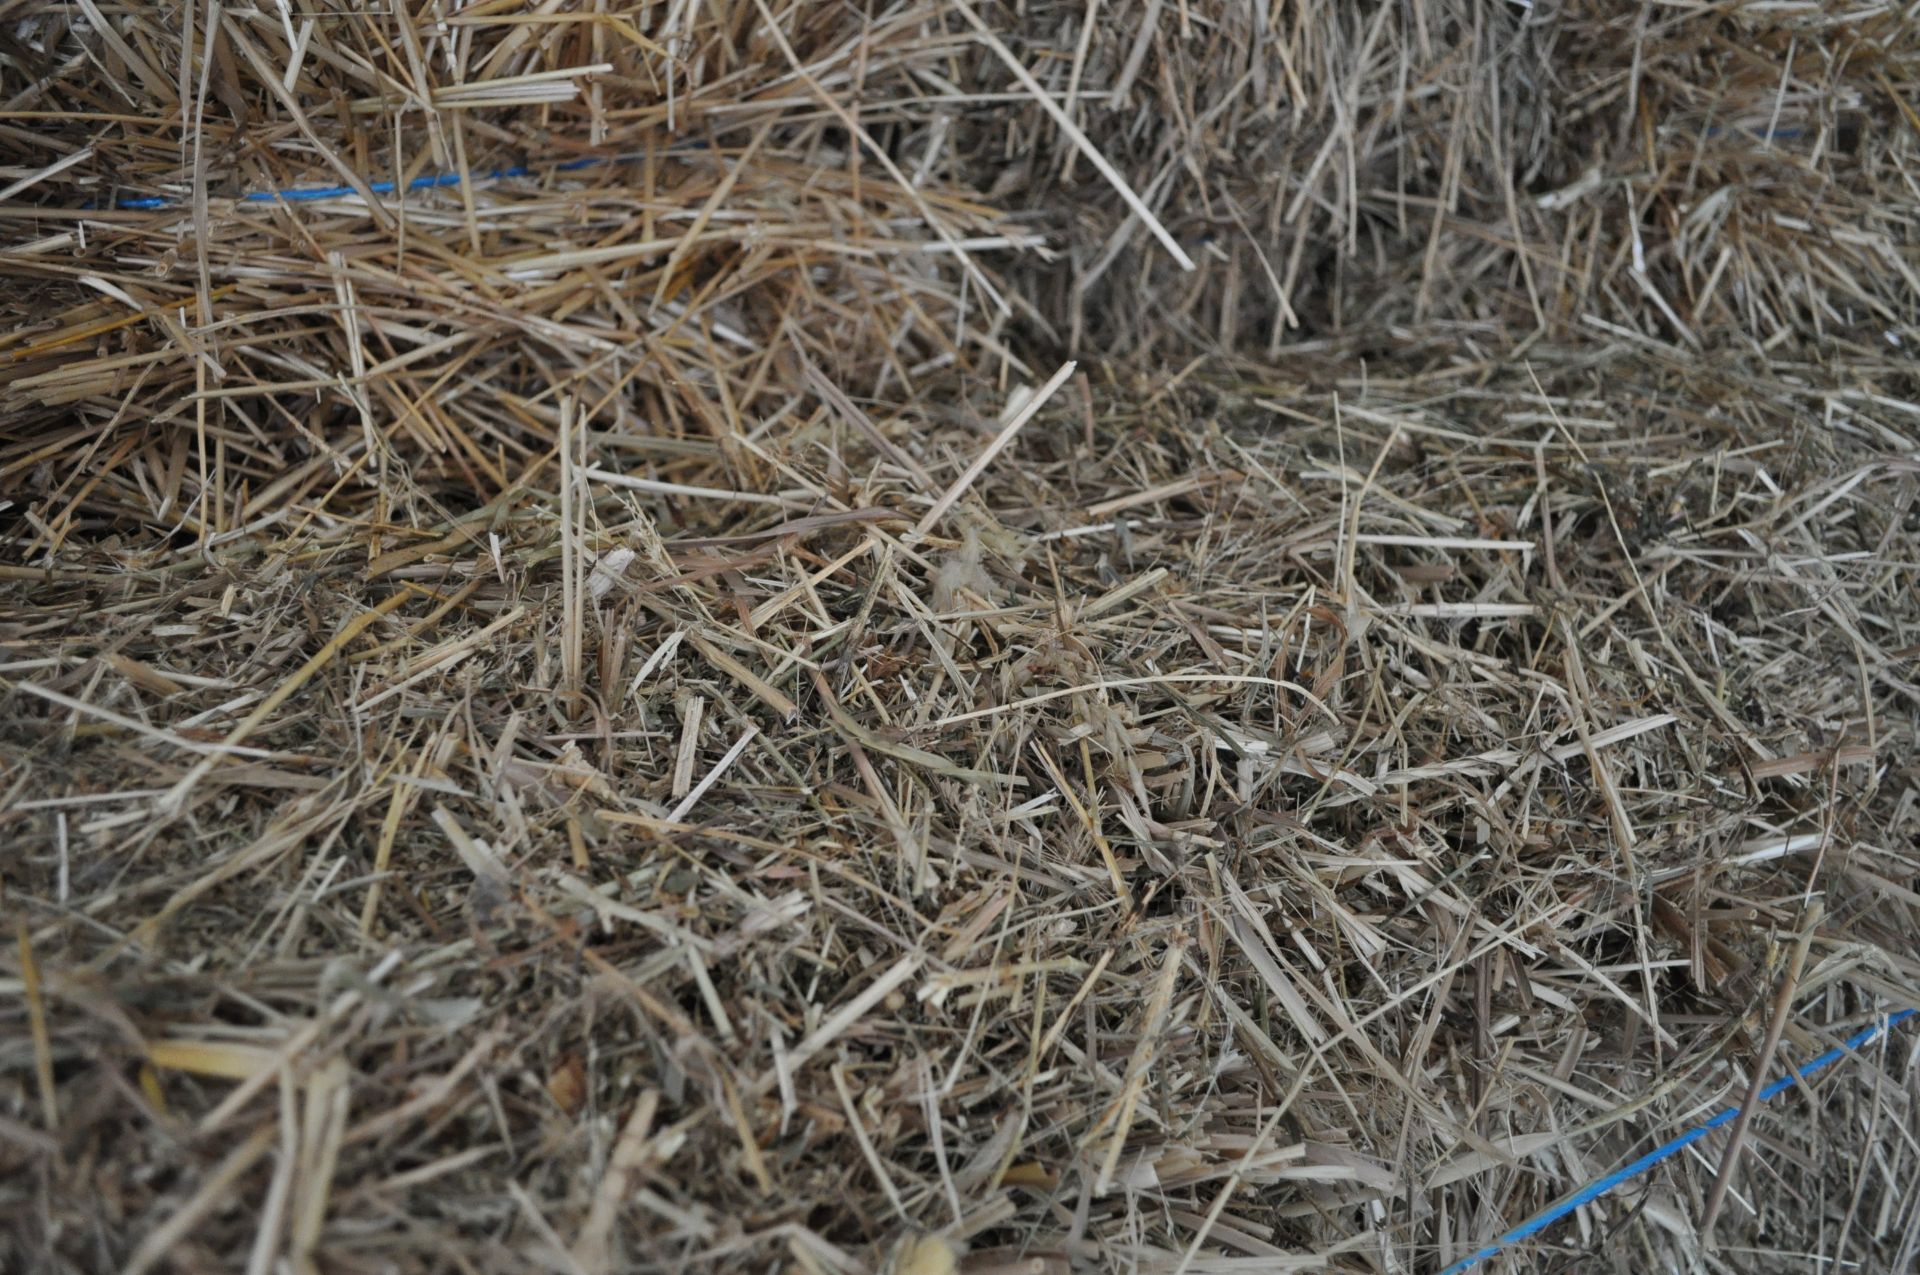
(609, 712)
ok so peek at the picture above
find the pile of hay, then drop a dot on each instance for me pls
(1151, 635)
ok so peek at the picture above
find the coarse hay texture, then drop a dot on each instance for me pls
(1149, 635)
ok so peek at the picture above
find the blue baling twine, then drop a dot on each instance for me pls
(312, 194)
(426, 181)
(1787, 134)
(1594, 1190)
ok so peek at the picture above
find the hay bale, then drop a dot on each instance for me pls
(675, 637)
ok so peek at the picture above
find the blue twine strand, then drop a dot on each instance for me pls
(1594, 1190)
(426, 181)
